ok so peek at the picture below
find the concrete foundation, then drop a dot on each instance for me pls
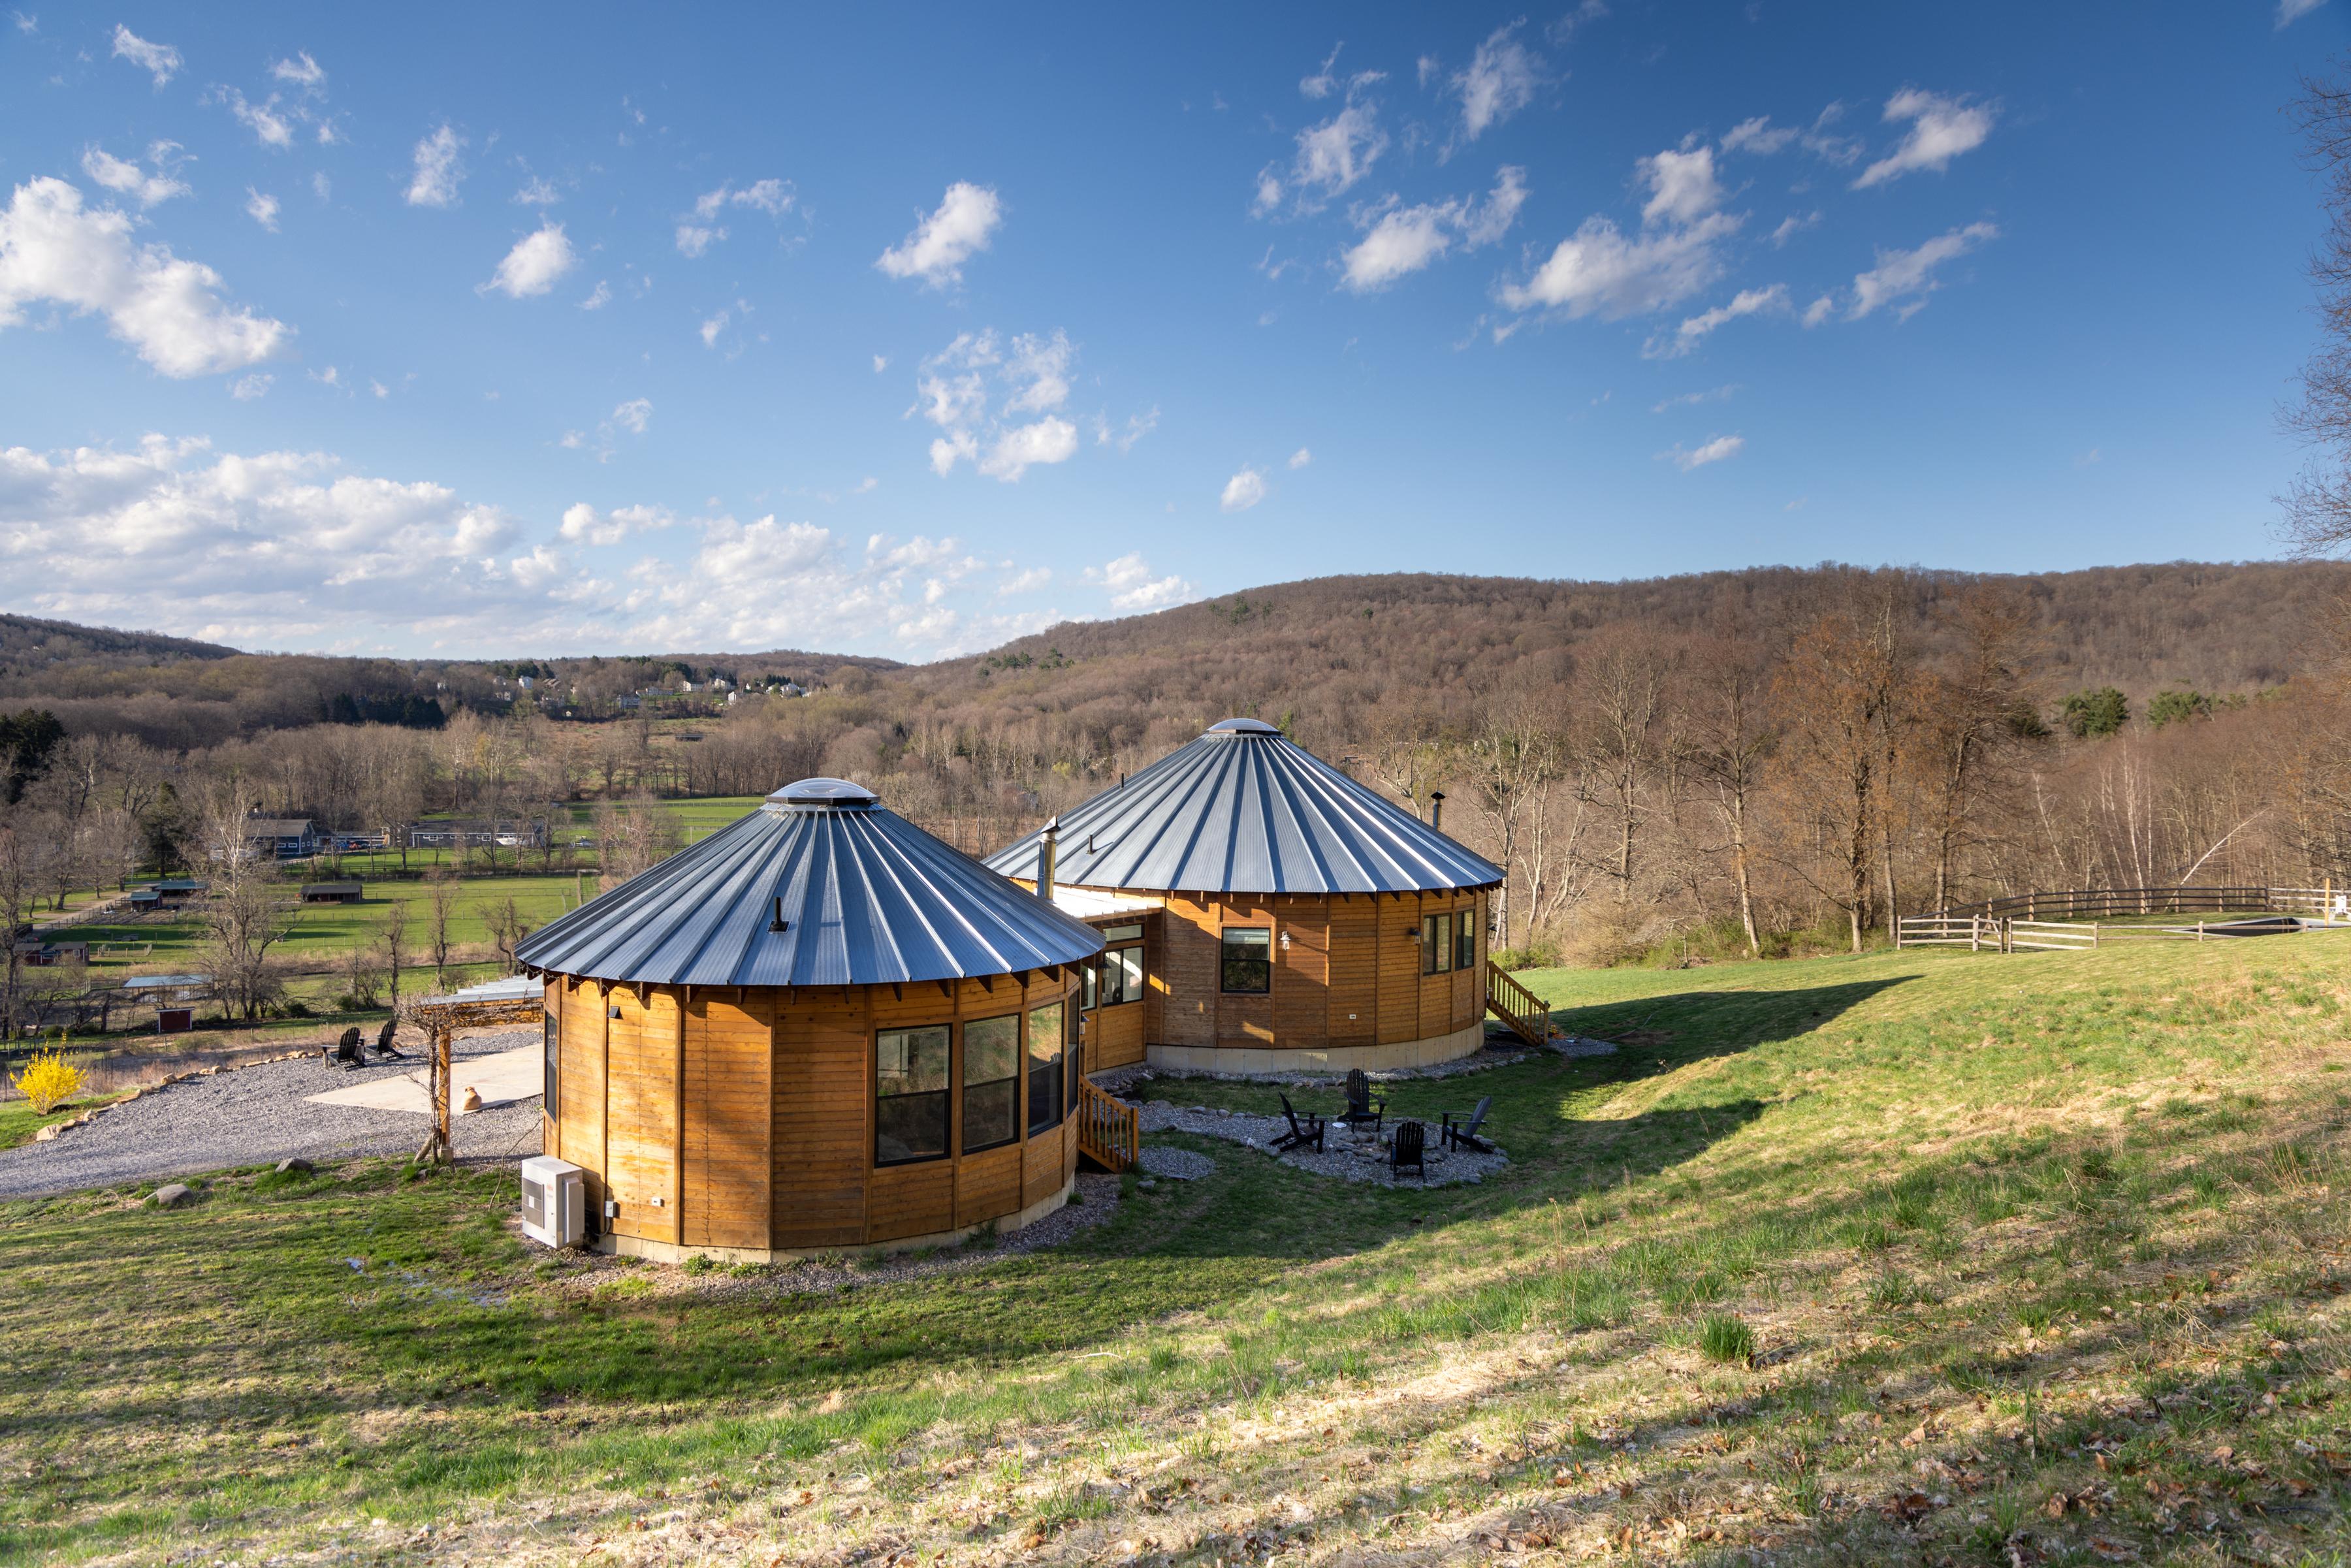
(670, 1252)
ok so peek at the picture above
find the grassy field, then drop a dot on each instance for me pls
(1904, 1258)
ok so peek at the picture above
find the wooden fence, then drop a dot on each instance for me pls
(2006, 933)
(2107, 903)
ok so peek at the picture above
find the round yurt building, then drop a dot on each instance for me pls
(1264, 913)
(817, 1028)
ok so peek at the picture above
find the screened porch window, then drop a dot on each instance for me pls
(910, 1095)
(1122, 977)
(991, 1083)
(1046, 1034)
(1465, 940)
(1247, 966)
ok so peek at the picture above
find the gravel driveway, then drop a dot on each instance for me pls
(258, 1116)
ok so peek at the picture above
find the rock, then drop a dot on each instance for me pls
(293, 1164)
(171, 1195)
(46, 1133)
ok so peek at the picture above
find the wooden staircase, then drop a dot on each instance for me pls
(1528, 1014)
(1109, 1132)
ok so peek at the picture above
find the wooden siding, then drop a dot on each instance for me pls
(729, 1047)
(821, 1136)
(642, 1130)
(1114, 1036)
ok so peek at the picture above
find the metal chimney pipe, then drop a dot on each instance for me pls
(1436, 809)
(1045, 850)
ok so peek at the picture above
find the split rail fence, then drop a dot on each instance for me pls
(2054, 921)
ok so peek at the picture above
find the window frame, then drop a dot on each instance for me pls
(942, 1094)
(1465, 939)
(552, 1060)
(1053, 1066)
(1130, 976)
(1436, 948)
(964, 1085)
(1225, 945)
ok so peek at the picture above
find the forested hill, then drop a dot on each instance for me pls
(2218, 628)
(29, 647)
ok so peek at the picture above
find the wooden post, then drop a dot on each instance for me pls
(2094, 933)
(2200, 931)
(438, 1149)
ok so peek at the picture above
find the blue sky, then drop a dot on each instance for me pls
(462, 332)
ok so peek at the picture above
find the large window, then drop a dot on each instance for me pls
(1465, 940)
(991, 1083)
(1122, 977)
(910, 1095)
(1045, 1046)
(554, 1090)
(1435, 944)
(1247, 967)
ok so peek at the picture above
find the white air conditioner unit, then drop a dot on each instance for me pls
(554, 1201)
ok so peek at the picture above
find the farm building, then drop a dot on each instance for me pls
(352, 891)
(282, 837)
(1264, 913)
(820, 1027)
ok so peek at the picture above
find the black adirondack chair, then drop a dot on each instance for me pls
(1304, 1132)
(1361, 1107)
(1405, 1149)
(346, 1049)
(1465, 1136)
(383, 1046)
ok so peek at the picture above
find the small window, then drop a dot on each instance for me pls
(1132, 932)
(991, 1083)
(1435, 944)
(1090, 984)
(1044, 1045)
(1121, 975)
(1248, 960)
(1464, 941)
(910, 1096)
(554, 1088)
(1074, 1049)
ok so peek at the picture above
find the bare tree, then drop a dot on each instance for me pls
(245, 917)
(2318, 503)
(507, 929)
(391, 948)
(441, 901)
(1731, 735)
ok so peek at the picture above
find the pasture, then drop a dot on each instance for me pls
(1909, 1257)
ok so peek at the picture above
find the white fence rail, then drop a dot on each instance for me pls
(2008, 934)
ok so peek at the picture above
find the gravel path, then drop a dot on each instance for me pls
(1342, 1155)
(257, 1116)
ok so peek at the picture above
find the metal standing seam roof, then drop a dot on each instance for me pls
(1243, 810)
(867, 898)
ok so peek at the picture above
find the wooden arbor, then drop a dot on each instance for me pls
(511, 1001)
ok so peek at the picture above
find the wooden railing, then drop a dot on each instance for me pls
(1109, 1132)
(2007, 934)
(2106, 902)
(1528, 1014)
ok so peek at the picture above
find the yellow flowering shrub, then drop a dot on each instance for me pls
(48, 1080)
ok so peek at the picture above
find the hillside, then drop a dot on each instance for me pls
(1901, 1258)
(29, 647)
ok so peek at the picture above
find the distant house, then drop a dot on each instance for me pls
(627, 703)
(480, 832)
(333, 891)
(524, 682)
(285, 838)
(33, 951)
(169, 892)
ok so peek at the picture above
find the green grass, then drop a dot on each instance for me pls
(1819, 1238)
(19, 1121)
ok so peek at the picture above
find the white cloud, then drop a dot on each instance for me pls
(600, 297)
(2288, 12)
(1404, 240)
(160, 60)
(1242, 491)
(773, 197)
(1597, 271)
(1137, 427)
(27, 22)
(1325, 82)
(634, 415)
(583, 525)
(437, 170)
(1819, 310)
(1909, 275)
(244, 389)
(1338, 153)
(1301, 458)
(1132, 588)
(1028, 581)
(1694, 328)
(1758, 135)
(1713, 451)
(1692, 399)
(880, 364)
(1792, 227)
(953, 391)
(53, 249)
(1941, 130)
(321, 186)
(1046, 441)
(1500, 80)
(117, 174)
(537, 191)
(693, 241)
(261, 209)
(534, 264)
(949, 237)
(710, 328)
(269, 127)
(301, 71)
(1682, 185)
(377, 387)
